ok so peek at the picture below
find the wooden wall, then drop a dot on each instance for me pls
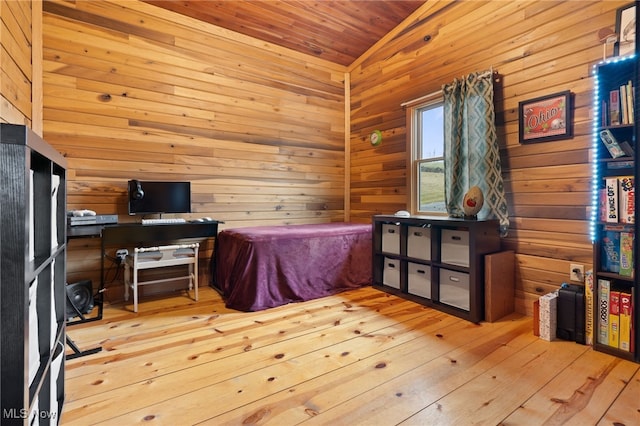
(132, 91)
(537, 48)
(16, 76)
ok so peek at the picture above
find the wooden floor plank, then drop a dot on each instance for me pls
(583, 390)
(503, 388)
(248, 381)
(191, 351)
(408, 393)
(344, 397)
(139, 337)
(140, 333)
(241, 361)
(625, 410)
(359, 357)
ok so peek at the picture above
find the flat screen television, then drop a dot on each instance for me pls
(153, 197)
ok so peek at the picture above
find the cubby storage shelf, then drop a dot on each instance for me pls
(33, 278)
(433, 260)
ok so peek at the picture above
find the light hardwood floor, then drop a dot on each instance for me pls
(360, 357)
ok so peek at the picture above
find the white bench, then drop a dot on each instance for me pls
(160, 257)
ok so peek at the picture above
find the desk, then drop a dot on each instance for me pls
(138, 235)
(133, 233)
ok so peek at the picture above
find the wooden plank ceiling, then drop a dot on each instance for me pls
(337, 31)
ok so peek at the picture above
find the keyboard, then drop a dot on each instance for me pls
(162, 221)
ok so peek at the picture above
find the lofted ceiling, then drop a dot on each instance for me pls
(338, 31)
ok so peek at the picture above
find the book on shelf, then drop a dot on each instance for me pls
(626, 254)
(610, 251)
(588, 298)
(626, 316)
(626, 199)
(619, 108)
(617, 200)
(614, 318)
(621, 105)
(611, 143)
(624, 106)
(633, 324)
(611, 188)
(627, 103)
(620, 165)
(614, 107)
(631, 100)
(604, 287)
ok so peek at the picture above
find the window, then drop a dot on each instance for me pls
(427, 157)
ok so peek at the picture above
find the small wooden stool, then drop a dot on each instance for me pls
(159, 257)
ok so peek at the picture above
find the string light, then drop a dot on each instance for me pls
(595, 143)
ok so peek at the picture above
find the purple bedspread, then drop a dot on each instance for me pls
(267, 266)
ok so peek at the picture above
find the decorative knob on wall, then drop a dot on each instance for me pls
(606, 36)
(375, 137)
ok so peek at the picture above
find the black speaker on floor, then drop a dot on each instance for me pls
(79, 299)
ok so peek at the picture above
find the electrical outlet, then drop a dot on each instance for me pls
(576, 272)
(121, 255)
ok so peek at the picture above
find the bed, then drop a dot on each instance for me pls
(262, 267)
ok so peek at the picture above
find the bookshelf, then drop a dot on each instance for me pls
(32, 272)
(615, 292)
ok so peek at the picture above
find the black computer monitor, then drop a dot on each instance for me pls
(153, 197)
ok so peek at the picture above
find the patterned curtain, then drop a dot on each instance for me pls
(471, 153)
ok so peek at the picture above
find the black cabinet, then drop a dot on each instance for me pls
(614, 289)
(32, 277)
(436, 261)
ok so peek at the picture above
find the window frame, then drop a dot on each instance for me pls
(414, 144)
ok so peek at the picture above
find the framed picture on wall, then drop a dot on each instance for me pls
(546, 118)
(626, 30)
